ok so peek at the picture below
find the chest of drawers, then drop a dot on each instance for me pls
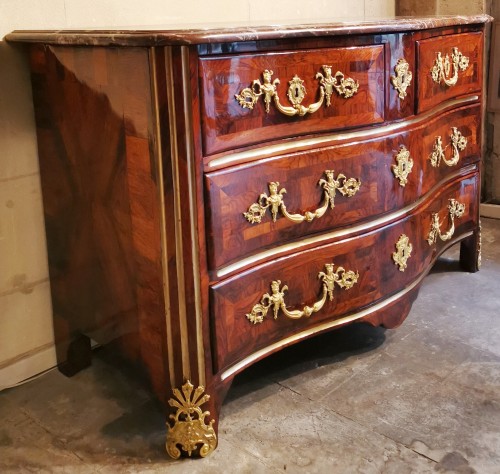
(212, 196)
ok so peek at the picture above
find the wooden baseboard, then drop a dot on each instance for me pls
(34, 363)
(490, 210)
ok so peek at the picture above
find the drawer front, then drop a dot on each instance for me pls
(236, 196)
(448, 67)
(276, 300)
(311, 98)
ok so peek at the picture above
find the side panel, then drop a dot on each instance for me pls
(95, 138)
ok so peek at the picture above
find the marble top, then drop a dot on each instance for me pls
(220, 33)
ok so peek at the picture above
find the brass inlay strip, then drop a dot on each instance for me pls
(342, 277)
(271, 150)
(163, 220)
(186, 370)
(328, 325)
(479, 242)
(193, 212)
(275, 201)
(345, 86)
(441, 70)
(316, 240)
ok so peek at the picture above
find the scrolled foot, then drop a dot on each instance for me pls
(187, 432)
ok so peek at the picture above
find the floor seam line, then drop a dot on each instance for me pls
(377, 433)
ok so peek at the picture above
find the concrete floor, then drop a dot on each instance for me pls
(421, 398)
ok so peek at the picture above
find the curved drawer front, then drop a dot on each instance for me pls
(448, 66)
(289, 295)
(376, 181)
(247, 99)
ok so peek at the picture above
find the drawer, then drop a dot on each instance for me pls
(348, 94)
(454, 139)
(244, 316)
(448, 66)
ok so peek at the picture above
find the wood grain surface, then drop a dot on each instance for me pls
(228, 125)
(470, 45)
(94, 125)
(231, 191)
(148, 245)
(370, 255)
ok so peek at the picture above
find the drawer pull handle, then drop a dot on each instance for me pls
(455, 209)
(345, 87)
(458, 143)
(442, 67)
(403, 167)
(402, 80)
(403, 252)
(346, 186)
(343, 278)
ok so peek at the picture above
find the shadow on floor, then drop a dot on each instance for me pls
(326, 349)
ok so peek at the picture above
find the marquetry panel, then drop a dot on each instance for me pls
(370, 256)
(231, 192)
(226, 124)
(469, 79)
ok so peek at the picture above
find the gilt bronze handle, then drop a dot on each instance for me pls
(458, 143)
(275, 200)
(442, 69)
(455, 210)
(345, 86)
(276, 300)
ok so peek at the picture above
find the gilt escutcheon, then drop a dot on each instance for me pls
(402, 80)
(403, 167)
(403, 252)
